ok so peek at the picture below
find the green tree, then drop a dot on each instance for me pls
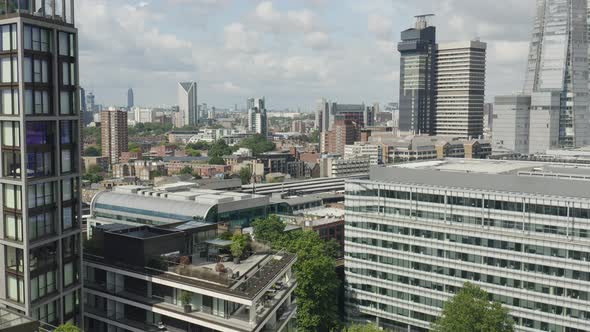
(216, 160)
(200, 145)
(192, 152)
(258, 144)
(315, 136)
(219, 149)
(186, 170)
(92, 151)
(471, 311)
(269, 229)
(361, 328)
(245, 175)
(67, 327)
(134, 147)
(318, 284)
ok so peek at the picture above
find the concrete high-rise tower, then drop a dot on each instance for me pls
(130, 99)
(257, 120)
(417, 77)
(114, 134)
(558, 62)
(40, 180)
(188, 106)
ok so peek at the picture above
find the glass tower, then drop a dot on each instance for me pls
(558, 62)
(40, 147)
(417, 78)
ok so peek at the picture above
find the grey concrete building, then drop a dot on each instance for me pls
(417, 232)
(511, 125)
(40, 246)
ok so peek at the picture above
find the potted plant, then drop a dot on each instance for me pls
(185, 298)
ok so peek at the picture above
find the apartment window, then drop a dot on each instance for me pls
(9, 40)
(67, 189)
(43, 285)
(46, 312)
(40, 143)
(37, 102)
(15, 288)
(70, 303)
(68, 71)
(13, 227)
(70, 274)
(10, 134)
(66, 44)
(66, 102)
(37, 39)
(36, 70)
(9, 102)
(41, 194)
(70, 247)
(68, 217)
(12, 197)
(9, 69)
(41, 225)
(68, 135)
(43, 258)
(14, 260)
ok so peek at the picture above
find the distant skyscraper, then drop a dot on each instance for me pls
(327, 112)
(417, 78)
(82, 99)
(460, 88)
(257, 120)
(40, 246)
(130, 99)
(90, 102)
(558, 62)
(114, 134)
(188, 104)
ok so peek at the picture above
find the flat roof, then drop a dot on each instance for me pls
(484, 175)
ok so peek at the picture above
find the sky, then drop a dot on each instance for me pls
(290, 51)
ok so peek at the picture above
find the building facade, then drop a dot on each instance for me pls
(511, 130)
(257, 119)
(40, 238)
(188, 112)
(114, 134)
(340, 167)
(460, 88)
(361, 149)
(130, 99)
(415, 234)
(344, 132)
(558, 62)
(327, 113)
(417, 78)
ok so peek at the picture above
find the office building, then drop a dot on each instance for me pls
(558, 62)
(364, 149)
(188, 111)
(460, 88)
(90, 103)
(344, 132)
(257, 117)
(130, 99)
(40, 238)
(519, 230)
(417, 78)
(144, 115)
(114, 134)
(82, 99)
(511, 130)
(182, 278)
(327, 112)
(336, 166)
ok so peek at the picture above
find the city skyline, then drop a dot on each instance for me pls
(288, 46)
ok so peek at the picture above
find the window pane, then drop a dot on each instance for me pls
(29, 102)
(67, 189)
(63, 43)
(65, 73)
(6, 70)
(6, 43)
(65, 103)
(67, 218)
(28, 70)
(28, 37)
(68, 274)
(66, 161)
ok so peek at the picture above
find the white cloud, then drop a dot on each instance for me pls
(237, 38)
(380, 25)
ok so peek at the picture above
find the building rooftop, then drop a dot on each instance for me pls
(521, 177)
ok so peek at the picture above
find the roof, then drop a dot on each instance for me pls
(159, 207)
(490, 176)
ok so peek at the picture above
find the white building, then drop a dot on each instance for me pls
(362, 149)
(460, 87)
(335, 166)
(257, 118)
(143, 115)
(519, 230)
(188, 111)
(511, 123)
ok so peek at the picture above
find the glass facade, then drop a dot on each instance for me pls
(410, 248)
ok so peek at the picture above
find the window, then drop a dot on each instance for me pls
(40, 141)
(10, 134)
(36, 70)
(11, 163)
(12, 197)
(69, 276)
(66, 161)
(68, 217)
(66, 44)
(9, 101)
(9, 40)
(37, 39)
(66, 102)
(43, 285)
(37, 102)
(66, 189)
(9, 69)
(68, 73)
(13, 227)
(14, 259)
(68, 136)
(41, 225)
(15, 287)
(40, 195)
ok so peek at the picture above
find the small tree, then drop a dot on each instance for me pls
(239, 244)
(92, 151)
(268, 230)
(362, 328)
(215, 160)
(245, 175)
(67, 327)
(470, 310)
(186, 170)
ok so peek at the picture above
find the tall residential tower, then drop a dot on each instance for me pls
(187, 104)
(40, 183)
(130, 99)
(257, 120)
(417, 77)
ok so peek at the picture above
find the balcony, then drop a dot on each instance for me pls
(110, 317)
(51, 10)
